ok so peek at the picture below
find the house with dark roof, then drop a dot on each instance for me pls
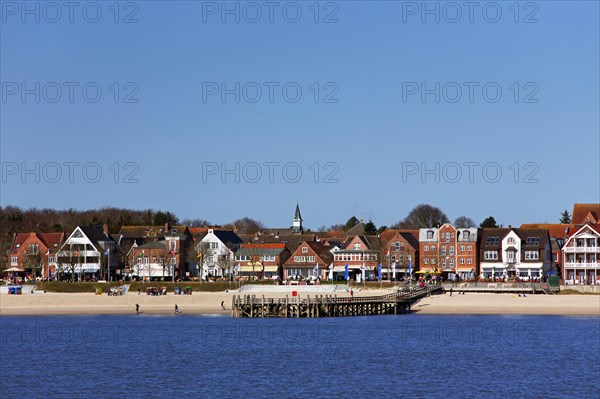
(507, 253)
(89, 252)
(358, 252)
(558, 234)
(35, 253)
(311, 260)
(581, 256)
(401, 249)
(261, 260)
(216, 252)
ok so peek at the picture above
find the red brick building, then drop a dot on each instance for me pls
(35, 252)
(305, 258)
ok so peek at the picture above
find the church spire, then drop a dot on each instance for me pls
(297, 224)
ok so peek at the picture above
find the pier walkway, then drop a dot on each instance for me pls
(330, 305)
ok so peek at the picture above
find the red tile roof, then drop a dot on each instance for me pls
(556, 230)
(580, 211)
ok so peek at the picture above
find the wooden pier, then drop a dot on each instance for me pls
(330, 305)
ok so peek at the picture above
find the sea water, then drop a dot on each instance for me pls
(141, 356)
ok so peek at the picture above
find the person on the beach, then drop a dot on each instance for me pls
(450, 291)
(137, 308)
(176, 309)
(223, 305)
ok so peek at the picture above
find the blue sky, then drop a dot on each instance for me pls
(365, 143)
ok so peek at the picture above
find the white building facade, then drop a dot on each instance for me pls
(581, 256)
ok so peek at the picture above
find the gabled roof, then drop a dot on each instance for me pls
(371, 242)
(325, 256)
(154, 245)
(580, 211)
(50, 240)
(592, 226)
(356, 230)
(556, 230)
(228, 237)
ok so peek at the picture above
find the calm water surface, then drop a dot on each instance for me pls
(387, 356)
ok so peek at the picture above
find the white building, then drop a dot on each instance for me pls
(216, 252)
(512, 252)
(88, 250)
(581, 256)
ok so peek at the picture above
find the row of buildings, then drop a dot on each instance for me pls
(529, 252)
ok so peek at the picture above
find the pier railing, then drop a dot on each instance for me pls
(330, 305)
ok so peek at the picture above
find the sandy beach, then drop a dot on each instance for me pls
(210, 303)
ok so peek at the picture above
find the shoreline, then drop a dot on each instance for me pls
(209, 303)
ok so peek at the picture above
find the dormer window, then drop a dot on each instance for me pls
(466, 235)
(429, 234)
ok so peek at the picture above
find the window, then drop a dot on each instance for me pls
(51, 259)
(433, 261)
(532, 255)
(426, 261)
(172, 245)
(469, 248)
(532, 241)
(451, 262)
(492, 240)
(511, 240)
(466, 235)
(556, 257)
(462, 261)
(146, 260)
(154, 259)
(469, 261)
(426, 248)
(444, 250)
(451, 249)
(510, 256)
(213, 245)
(429, 234)
(357, 246)
(433, 247)
(490, 255)
(14, 260)
(443, 264)
(393, 257)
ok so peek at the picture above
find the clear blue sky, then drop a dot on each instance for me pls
(371, 56)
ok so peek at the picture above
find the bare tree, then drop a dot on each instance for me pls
(423, 216)
(463, 222)
(200, 254)
(34, 261)
(248, 225)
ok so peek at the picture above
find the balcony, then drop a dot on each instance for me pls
(582, 265)
(582, 249)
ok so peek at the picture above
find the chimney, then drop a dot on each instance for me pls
(105, 229)
(166, 228)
